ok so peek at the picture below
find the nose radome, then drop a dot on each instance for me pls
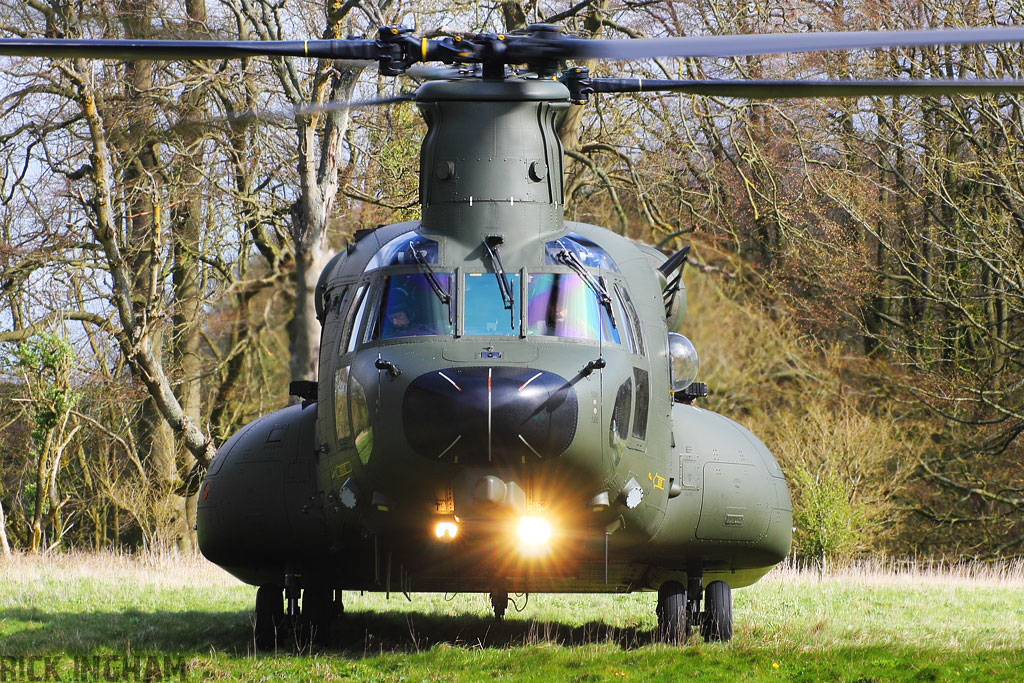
(496, 415)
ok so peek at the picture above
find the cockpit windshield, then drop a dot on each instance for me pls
(562, 305)
(486, 313)
(587, 252)
(400, 252)
(409, 307)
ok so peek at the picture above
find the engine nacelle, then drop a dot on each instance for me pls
(722, 515)
(258, 512)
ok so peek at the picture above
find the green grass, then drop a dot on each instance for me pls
(864, 624)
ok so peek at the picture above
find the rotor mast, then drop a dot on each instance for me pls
(491, 162)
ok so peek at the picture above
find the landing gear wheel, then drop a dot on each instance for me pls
(317, 614)
(671, 610)
(499, 601)
(269, 617)
(717, 623)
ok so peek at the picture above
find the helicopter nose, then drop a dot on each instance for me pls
(489, 415)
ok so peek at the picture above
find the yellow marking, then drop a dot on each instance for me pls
(659, 481)
(394, 31)
(423, 48)
(382, 508)
(501, 37)
(342, 470)
(305, 47)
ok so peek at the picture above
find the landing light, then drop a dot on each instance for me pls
(446, 530)
(534, 530)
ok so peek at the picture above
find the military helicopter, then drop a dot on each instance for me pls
(504, 403)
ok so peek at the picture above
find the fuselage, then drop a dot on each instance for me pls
(486, 367)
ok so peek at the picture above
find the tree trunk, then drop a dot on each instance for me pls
(188, 302)
(5, 546)
(319, 146)
(309, 232)
(188, 289)
(42, 487)
(310, 213)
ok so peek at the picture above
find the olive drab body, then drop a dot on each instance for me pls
(485, 368)
(504, 402)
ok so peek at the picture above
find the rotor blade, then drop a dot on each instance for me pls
(327, 107)
(251, 116)
(744, 45)
(187, 49)
(309, 110)
(785, 89)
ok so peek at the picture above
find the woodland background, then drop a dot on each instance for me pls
(856, 282)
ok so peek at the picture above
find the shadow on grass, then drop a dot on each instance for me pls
(375, 632)
(35, 632)
(356, 634)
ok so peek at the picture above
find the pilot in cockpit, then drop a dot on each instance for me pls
(554, 321)
(403, 319)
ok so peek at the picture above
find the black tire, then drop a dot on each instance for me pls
(317, 614)
(716, 626)
(269, 617)
(671, 610)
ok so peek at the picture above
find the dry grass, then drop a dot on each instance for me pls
(905, 573)
(172, 570)
(163, 569)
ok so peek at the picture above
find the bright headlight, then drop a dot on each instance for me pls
(534, 530)
(446, 530)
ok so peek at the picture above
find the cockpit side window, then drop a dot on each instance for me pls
(562, 305)
(624, 321)
(355, 313)
(633, 320)
(643, 400)
(409, 307)
(334, 300)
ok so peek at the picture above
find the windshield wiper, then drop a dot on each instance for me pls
(491, 247)
(444, 297)
(570, 259)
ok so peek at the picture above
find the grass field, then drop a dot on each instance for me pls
(857, 625)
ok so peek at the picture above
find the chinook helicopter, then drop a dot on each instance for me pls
(504, 403)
